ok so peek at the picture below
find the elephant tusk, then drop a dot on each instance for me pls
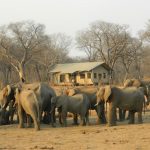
(96, 104)
(3, 106)
(145, 98)
(147, 90)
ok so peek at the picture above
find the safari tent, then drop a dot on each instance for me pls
(85, 73)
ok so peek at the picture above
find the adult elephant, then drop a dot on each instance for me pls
(136, 83)
(77, 104)
(130, 98)
(100, 109)
(7, 99)
(139, 83)
(6, 95)
(27, 102)
(44, 94)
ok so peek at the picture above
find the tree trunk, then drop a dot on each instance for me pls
(38, 72)
(47, 75)
(21, 73)
(126, 76)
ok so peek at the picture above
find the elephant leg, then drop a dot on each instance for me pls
(20, 115)
(12, 109)
(128, 117)
(87, 118)
(7, 114)
(140, 117)
(64, 118)
(59, 115)
(103, 117)
(53, 121)
(36, 121)
(75, 119)
(28, 121)
(40, 117)
(115, 115)
(101, 113)
(12, 113)
(60, 119)
(121, 114)
(46, 117)
(54, 117)
(112, 115)
(98, 121)
(3, 117)
(131, 119)
(81, 121)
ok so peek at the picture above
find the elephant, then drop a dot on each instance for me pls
(77, 104)
(139, 83)
(6, 95)
(100, 109)
(4, 117)
(7, 101)
(130, 98)
(28, 103)
(135, 83)
(44, 94)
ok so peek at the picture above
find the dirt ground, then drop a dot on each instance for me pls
(93, 137)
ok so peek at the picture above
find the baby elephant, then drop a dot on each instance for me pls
(77, 104)
(27, 101)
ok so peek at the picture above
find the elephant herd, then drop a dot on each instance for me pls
(37, 103)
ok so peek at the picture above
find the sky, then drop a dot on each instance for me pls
(70, 16)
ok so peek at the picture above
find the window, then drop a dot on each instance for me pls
(95, 75)
(82, 76)
(104, 75)
(62, 78)
(100, 76)
(89, 75)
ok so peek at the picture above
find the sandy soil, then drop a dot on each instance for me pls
(94, 137)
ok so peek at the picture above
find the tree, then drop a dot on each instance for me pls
(104, 41)
(5, 70)
(131, 54)
(146, 34)
(56, 51)
(20, 42)
(84, 41)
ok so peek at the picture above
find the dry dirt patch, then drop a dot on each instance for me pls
(94, 137)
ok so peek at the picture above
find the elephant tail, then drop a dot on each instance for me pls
(90, 109)
(144, 103)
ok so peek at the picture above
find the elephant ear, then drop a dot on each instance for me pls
(107, 93)
(37, 88)
(58, 101)
(6, 91)
(127, 83)
(71, 92)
